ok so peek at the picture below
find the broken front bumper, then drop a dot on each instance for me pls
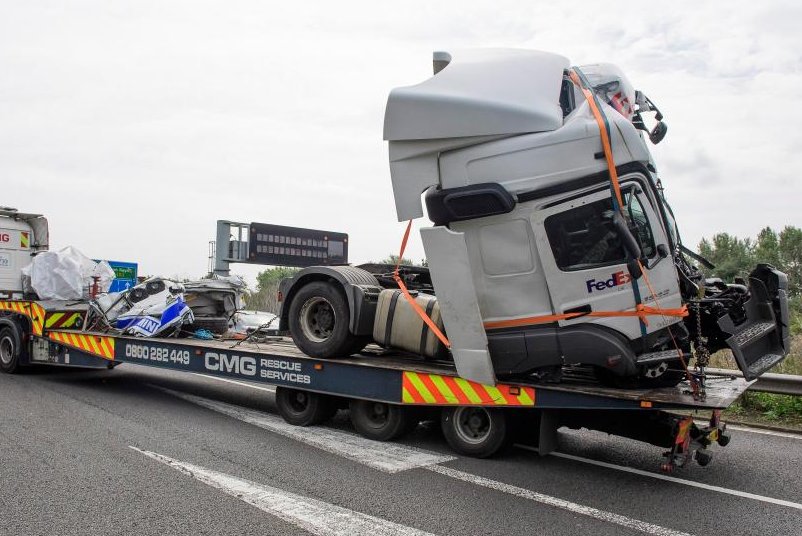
(763, 340)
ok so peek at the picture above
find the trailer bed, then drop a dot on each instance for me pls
(374, 374)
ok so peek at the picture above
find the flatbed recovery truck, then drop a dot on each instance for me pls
(388, 393)
(556, 279)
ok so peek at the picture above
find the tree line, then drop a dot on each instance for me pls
(736, 257)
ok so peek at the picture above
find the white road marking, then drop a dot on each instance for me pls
(709, 487)
(244, 384)
(775, 433)
(387, 457)
(393, 458)
(317, 517)
(573, 507)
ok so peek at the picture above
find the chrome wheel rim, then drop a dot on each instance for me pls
(6, 350)
(473, 425)
(317, 319)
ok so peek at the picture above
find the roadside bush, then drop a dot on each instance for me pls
(773, 407)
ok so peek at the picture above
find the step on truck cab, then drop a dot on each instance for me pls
(553, 243)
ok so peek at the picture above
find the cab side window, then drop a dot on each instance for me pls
(583, 237)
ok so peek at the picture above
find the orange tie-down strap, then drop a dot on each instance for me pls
(91, 344)
(605, 139)
(417, 308)
(641, 311)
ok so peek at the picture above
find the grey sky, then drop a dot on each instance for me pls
(135, 125)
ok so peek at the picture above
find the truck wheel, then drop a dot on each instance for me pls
(474, 431)
(319, 321)
(304, 408)
(10, 349)
(381, 421)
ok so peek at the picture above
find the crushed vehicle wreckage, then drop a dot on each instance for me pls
(156, 307)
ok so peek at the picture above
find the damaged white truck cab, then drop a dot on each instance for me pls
(534, 264)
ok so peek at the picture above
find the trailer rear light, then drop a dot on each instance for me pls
(645, 404)
(515, 391)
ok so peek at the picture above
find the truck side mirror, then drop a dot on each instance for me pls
(658, 133)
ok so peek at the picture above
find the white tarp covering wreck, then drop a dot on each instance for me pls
(66, 274)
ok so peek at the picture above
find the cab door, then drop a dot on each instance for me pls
(586, 265)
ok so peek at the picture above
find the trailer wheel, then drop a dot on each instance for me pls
(474, 431)
(10, 349)
(318, 321)
(703, 457)
(304, 408)
(381, 421)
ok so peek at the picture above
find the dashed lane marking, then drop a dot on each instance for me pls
(775, 433)
(573, 507)
(393, 458)
(658, 476)
(387, 457)
(312, 515)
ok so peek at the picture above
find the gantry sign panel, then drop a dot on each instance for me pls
(279, 245)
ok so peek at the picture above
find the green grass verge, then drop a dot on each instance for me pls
(765, 409)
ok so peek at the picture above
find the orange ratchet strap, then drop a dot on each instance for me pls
(605, 139)
(417, 308)
(641, 311)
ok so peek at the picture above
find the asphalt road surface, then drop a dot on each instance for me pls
(151, 452)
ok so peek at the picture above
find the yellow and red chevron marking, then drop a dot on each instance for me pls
(91, 344)
(62, 319)
(420, 388)
(32, 310)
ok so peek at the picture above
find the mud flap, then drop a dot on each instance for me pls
(762, 340)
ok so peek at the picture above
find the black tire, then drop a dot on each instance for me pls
(11, 351)
(304, 408)
(319, 318)
(475, 431)
(703, 457)
(381, 421)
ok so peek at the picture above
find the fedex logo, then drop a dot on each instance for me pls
(618, 278)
